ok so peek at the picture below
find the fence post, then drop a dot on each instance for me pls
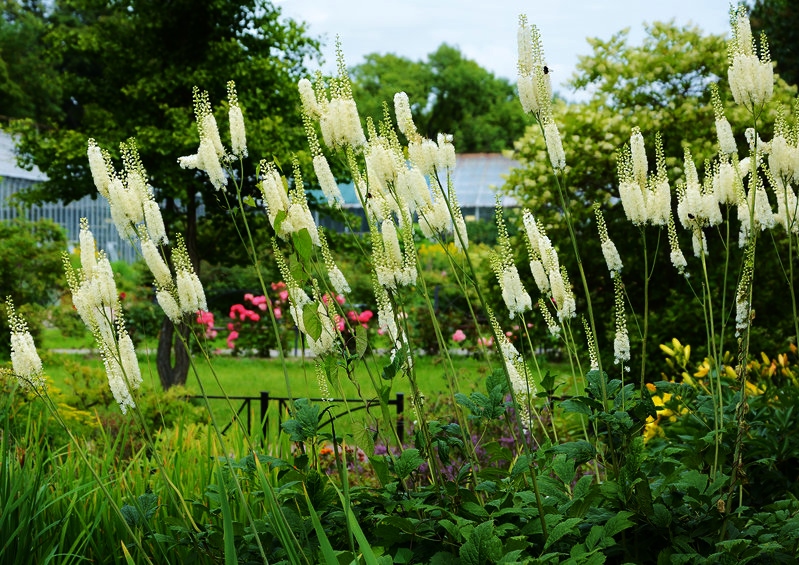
(400, 416)
(264, 416)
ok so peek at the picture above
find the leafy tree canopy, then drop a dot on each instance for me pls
(661, 85)
(448, 93)
(779, 19)
(127, 69)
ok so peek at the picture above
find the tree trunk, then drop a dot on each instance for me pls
(172, 357)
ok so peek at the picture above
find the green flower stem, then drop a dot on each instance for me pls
(646, 311)
(718, 400)
(450, 374)
(249, 245)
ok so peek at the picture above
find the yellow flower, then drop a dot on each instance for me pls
(753, 389)
(703, 370)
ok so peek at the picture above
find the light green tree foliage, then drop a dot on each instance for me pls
(448, 93)
(661, 85)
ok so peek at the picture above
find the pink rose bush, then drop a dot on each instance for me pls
(250, 328)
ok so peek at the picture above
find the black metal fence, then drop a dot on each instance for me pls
(284, 404)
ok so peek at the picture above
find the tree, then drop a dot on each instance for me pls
(448, 93)
(28, 76)
(779, 19)
(127, 69)
(659, 86)
(30, 268)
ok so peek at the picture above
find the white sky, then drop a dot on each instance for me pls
(485, 30)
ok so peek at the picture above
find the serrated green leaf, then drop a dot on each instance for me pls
(361, 341)
(303, 426)
(482, 547)
(593, 537)
(475, 510)
(302, 243)
(497, 378)
(564, 468)
(548, 384)
(562, 529)
(364, 437)
(310, 317)
(581, 451)
(330, 364)
(297, 270)
(407, 462)
(381, 469)
(579, 405)
(661, 516)
(618, 523)
(280, 217)
(521, 466)
(403, 555)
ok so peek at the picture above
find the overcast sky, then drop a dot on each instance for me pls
(485, 30)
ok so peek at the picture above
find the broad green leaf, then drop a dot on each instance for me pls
(581, 451)
(297, 270)
(310, 317)
(304, 424)
(562, 529)
(580, 405)
(497, 378)
(521, 466)
(365, 438)
(303, 243)
(407, 462)
(280, 217)
(564, 468)
(482, 547)
(618, 523)
(361, 341)
(381, 469)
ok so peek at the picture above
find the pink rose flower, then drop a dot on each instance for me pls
(458, 336)
(278, 313)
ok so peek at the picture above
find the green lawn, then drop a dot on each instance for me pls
(294, 377)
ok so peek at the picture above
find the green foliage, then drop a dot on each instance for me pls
(125, 69)
(305, 422)
(28, 74)
(779, 20)
(491, 406)
(660, 85)
(30, 270)
(448, 93)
